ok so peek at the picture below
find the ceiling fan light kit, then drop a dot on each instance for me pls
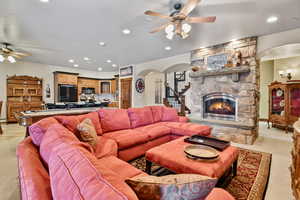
(179, 19)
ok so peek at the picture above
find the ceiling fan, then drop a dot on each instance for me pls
(7, 53)
(180, 19)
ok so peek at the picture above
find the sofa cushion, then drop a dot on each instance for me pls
(157, 112)
(154, 130)
(122, 168)
(114, 119)
(55, 136)
(88, 132)
(140, 116)
(179, 186)
(106, 147)
(169, 115)
(74, 176)
(34, 178)
(127, 138)
(71, 122)
(37, 130)
(188, 129)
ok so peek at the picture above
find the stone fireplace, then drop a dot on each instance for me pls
(220, 106)
(227, 98)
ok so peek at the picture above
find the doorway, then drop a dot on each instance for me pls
(126, 93)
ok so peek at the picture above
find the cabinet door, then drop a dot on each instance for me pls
(35, 106)
(294, 103)
(13, 108)
(113, 86)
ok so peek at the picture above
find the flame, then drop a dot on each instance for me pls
(220, 106)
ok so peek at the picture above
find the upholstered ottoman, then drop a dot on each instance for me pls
(171, 156)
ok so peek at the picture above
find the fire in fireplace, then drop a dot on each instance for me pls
(219, 106)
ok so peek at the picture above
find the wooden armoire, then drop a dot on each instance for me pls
(24, 93)
(284, 104)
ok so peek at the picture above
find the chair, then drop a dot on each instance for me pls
(1, 132)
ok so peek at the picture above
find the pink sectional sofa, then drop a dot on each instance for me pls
(54, 164)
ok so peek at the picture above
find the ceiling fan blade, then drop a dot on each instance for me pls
(23, 54)
(160, 28)
(156, 14)
(189, 7)
(201, 19)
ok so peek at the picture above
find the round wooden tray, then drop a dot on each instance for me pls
(201, 152)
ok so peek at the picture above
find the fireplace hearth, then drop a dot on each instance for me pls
(220, 106)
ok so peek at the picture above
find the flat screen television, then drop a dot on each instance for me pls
(67, 93)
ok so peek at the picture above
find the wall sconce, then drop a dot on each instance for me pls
(286, 74)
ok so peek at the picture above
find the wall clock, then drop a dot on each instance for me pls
(140, 85)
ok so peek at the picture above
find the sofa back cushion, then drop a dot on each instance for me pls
(170, 115)
(157, 113)
(34, 178)
(114, 119)
(71, 122)
(73, 176)
(140, 116)
(54, 137)
(38, 130)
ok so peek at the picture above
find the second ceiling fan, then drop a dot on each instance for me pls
(179, 20)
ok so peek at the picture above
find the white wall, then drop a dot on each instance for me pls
(42, 71)
(150, 82)
(159, 66)
(266, 77)
(284, 64)
(268, 42)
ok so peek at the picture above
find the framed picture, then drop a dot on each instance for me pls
(126, 71)
(217, 61)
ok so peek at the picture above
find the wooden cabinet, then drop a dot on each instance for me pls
(114, 104)
(88, 83)
(295, 167)
(23, 93)
(284, 104)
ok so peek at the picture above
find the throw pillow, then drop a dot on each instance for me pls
(172, 187)
(88, 132)
(170, 115)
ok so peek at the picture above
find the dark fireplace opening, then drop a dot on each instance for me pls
(219, 106)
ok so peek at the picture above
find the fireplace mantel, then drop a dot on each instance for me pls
(234, 71)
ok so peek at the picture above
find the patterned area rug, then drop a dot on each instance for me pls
(252, 175)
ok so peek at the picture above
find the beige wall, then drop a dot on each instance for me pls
(150, 79)
(292, 63)
(266, 77)
(42, 71)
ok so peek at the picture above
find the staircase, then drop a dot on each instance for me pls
(178, 99)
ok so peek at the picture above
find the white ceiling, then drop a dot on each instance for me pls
(72, 29)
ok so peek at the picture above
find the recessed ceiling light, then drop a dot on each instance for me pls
(272, 19)
(102, 44)
(108, 61)
(86, 58)
(71, 61)
(114, 65)
(126, 31)
(99, 68)
(76, 65)
(168, 48)
(44, 1)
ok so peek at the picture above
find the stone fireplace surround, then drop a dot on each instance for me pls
(240, 82)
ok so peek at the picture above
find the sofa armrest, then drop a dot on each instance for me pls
(183, 119)
(106, 147)
(33, 176)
